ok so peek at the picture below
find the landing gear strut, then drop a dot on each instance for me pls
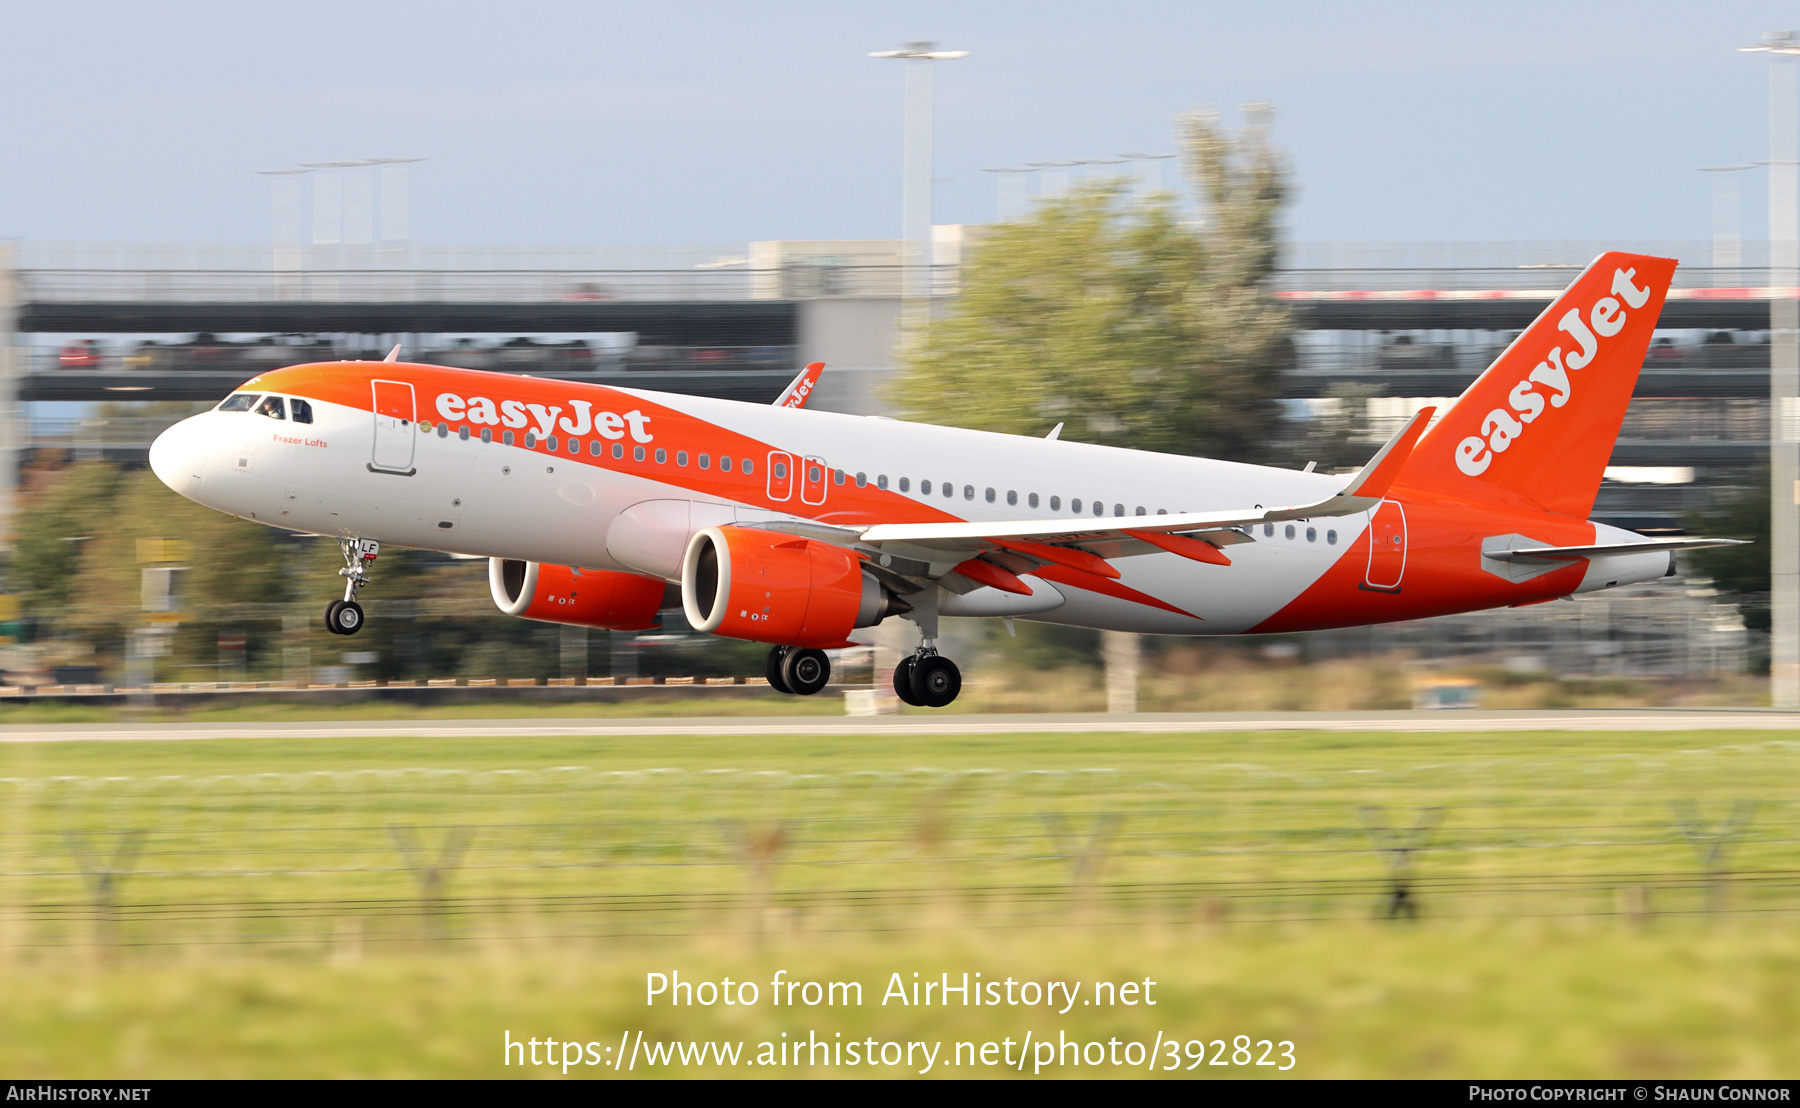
(345, 617)
(927, 679)
(797, 670)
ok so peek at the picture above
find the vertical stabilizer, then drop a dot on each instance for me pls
(1541, 422)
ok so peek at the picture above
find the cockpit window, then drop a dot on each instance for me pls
(272, 407)
(302, 410)
(239, 402)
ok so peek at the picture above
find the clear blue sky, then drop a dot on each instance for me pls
(726, 122)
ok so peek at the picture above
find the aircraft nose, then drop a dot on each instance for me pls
(178, 456)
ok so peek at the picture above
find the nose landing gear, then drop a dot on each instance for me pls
(345, 617)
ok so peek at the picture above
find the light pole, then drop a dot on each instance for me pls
(1728, 236)
(1009, 186)
(1784, 369)
(915, 200)
(358, 216)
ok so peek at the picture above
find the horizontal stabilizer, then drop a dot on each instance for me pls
(1569, 552)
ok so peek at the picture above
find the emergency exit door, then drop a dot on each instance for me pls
(394, 430)
(1387, 548)
(812, 480)
(781, 475)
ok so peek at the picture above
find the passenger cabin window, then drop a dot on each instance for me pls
(1031, 500)
(904, 482)
(749, 467)
(487, 434)
(1056, 503)
(724, 463)
(507, 438)
(881, 481)
(302, 411)
(1012, 496)
(924, 487)
(1074, 505)
(238, 402)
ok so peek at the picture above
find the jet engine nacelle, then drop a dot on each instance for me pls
(769, 587)
(583, 597)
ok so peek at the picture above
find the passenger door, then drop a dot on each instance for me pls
(1387, 548)
(394, 430)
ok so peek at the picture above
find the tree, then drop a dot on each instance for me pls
(1115, 317)
(1740, 572)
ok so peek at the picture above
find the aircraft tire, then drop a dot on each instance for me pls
(772, 669)
(331, 611)
(903, 682)
(805, 671)
(935, 681)
(346, 618)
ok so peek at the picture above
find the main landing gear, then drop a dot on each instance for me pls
(801, 671)
(345, 617)
(927, 679)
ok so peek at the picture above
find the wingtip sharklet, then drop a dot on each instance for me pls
(1372, 480)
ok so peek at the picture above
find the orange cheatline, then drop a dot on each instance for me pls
(1198, 550)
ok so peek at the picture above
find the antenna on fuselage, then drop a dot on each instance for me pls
(393, 355)
(1054, 432)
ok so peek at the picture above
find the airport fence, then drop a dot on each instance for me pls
(342, 860)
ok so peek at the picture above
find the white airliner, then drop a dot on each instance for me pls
(795, 528)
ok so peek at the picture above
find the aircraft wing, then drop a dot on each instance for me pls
(1364, 491)
(931, 550)
(799, 391)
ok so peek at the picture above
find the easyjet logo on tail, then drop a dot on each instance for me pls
(1502, 427)
(581, 419)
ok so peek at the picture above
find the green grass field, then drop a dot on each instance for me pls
(1587, 904)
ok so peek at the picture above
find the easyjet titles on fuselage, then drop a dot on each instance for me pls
(517, 414)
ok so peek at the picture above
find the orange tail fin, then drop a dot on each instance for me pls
(1541, 422)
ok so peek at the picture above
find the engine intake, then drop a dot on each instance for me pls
(769, 587)
(582, 597)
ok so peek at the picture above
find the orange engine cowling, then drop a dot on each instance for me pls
(583, 597)
(769, 587)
